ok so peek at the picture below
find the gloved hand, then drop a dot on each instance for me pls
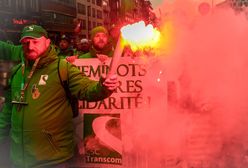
(110, 81)
(72, 58)
(102, 57)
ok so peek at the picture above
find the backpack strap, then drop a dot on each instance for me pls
(63, 76)
(64, 80)
(62, 72)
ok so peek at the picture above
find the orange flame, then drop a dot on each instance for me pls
(140, 36)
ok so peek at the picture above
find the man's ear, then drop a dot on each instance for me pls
(48, 42)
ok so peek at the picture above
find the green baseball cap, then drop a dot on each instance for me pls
(33, 31)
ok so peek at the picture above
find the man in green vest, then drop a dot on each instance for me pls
(38, 116)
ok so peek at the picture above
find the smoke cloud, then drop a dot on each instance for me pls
(204, 65)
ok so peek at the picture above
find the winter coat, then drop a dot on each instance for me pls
(42, 131)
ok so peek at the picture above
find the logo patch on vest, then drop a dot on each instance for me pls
(35, 92)
(43, 79)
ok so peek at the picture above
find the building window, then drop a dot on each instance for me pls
(93, 1)
(94, 24)
(28, 5)
(89, 10)
(5, 3)
(118, 5)
(84, 24)
(88, 0)
(99, 2)
(105, 3)
(49, 17)
(70, 2)
(19, 5)
(93, 12)
(89, 25)
(34, 5)
(99, 14)
(81, 9)
(57, 18)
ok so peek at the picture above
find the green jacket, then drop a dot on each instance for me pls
(42, 131)
(10, 52)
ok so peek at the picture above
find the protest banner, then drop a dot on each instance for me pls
(102, 127)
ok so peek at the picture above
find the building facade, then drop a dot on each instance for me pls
(16, 14)
(62, 16)
(91, 14)
(58, 15)
(129, 11)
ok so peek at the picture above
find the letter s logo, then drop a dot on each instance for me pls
(43, 79)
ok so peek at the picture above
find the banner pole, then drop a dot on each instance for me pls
(116, 56)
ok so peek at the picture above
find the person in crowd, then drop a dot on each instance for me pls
(82, 46)
(101, 46)
(100, 43)
(37, 116)
(65, 48)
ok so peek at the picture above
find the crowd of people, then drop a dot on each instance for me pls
(36, 117)
(99, 44)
